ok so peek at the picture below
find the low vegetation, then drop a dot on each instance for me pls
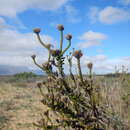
(19, 105)
(78, 102)
(21, 97)
(25, 75)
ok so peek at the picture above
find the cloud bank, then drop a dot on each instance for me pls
(91, 38)
(108, 15)
(10, 8)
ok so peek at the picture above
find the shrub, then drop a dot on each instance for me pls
(74, 101)
(25, 75)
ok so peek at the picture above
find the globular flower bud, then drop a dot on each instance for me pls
(60, 27)
(48, 46)
(90, 65)
(78, 54)
(37, 30)
(43, 82)
(44, 101)
(33, 56)
(47, 66)
(46, 113)
(55, 52)
(39, 85)
(68, 37)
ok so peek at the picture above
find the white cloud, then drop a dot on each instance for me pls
(72, 14)
(125, 2)
(91, 38)
(109, 15)
(90, 35)
(99, 58)
(3, 24)
(21, 60)
(126, 58)
(11, 40)
(12, 7)
(15, 60)
(94, 59)
(93, 14)
(87, 44)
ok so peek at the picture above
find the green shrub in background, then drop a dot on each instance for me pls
(25, 75)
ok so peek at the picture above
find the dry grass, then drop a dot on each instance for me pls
(19, 106)
(20, 102)
(115, 93)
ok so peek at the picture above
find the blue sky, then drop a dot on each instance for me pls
(100, 28)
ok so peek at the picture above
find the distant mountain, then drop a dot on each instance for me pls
(10, 70)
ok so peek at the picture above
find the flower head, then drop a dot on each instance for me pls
(39, 85)
(55, 52)
(48, 46)
(33, 56)
(68, 37)
(90, 65)
(60, 27)
(78, 54)
(37, 30)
